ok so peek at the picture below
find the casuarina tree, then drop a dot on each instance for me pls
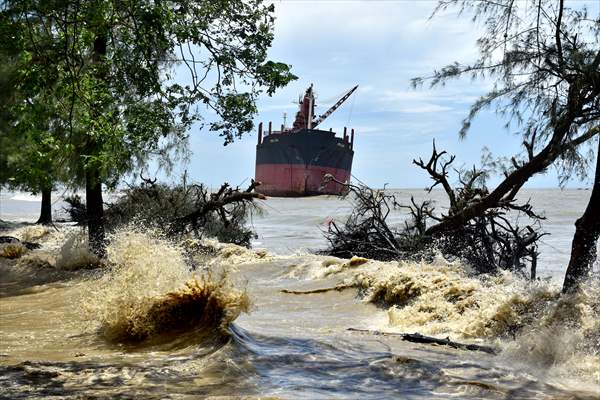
(130, 77)
(543, 59)
(26, 159)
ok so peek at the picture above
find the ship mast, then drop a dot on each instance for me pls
(305, 112)
(311, 106)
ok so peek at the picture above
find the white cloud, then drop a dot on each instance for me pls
(380, 46)
(279, 107)
(425, 109)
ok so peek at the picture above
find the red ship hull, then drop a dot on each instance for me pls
(298, 180)
(294, 164)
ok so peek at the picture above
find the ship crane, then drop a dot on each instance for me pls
(292, 162)
(327, 113)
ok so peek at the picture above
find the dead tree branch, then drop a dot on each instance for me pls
(489, 241)
(218, 203)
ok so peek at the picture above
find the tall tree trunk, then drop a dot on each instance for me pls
(95, 212)
(93, 183)
(585, 240)
(46, 210)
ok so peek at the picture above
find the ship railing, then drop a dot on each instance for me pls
(348, 139)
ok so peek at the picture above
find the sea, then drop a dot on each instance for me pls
(280, 321)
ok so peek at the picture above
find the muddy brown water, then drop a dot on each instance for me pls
(58, 320)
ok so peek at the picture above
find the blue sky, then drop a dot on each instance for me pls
(379, 45)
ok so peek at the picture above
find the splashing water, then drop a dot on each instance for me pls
(565, 336)
(31, 233)
(530, 321)
(150, 290)
(75, 254)
(155, 314)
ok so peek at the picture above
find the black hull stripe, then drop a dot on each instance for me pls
(319, 148)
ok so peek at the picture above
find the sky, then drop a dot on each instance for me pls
(379, 45)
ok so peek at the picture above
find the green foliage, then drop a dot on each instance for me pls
(542, 58)
(120, 82)
(27, 147)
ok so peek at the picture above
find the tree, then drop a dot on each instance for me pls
(489, 243)
(27, 164)
(26, 161)
(544, 60)
(129, 76)
(584, 246)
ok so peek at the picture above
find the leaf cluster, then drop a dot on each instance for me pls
(542, 58)
(125, 80)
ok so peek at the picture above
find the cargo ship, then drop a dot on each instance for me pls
(292, 162)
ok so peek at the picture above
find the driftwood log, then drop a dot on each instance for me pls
(409, 337)
(418, 338)
(337, 288)
(14, 240)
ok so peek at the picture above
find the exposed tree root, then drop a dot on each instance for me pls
(489, 241)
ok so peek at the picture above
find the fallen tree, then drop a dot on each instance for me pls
(543, 59)
(366, 232)
(179, 210)
(76, 209)
(489, 242)
(221, 213)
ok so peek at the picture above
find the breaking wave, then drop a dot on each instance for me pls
(530, 321)
(75, 254)
(31, 233)
(150, 291)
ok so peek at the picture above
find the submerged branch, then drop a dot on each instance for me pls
(337, 288)
(418, 338)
